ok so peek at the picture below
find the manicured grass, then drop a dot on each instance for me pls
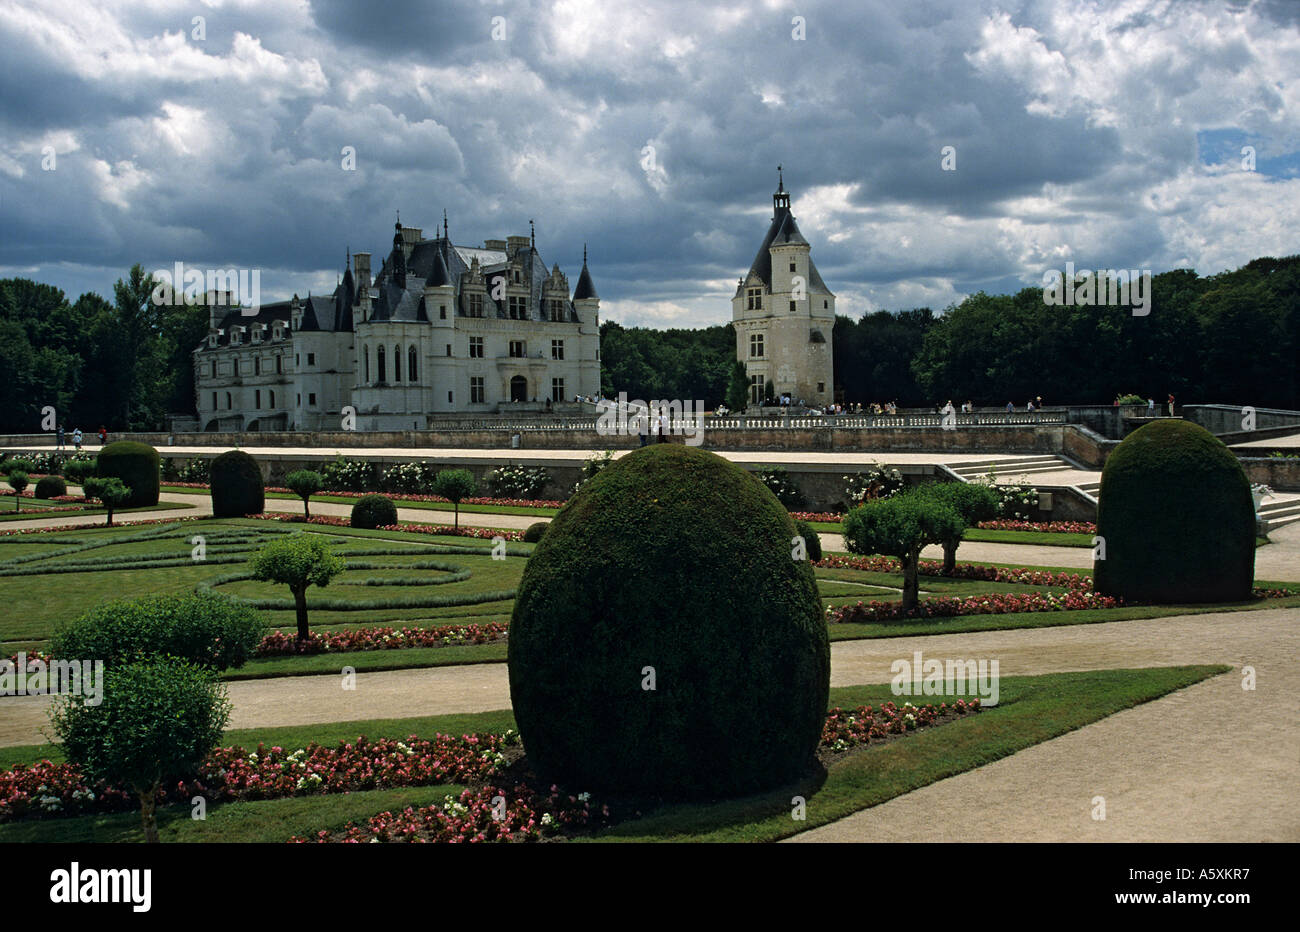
(38, 512)
(371, 661)
(397, 499)
(1031, 710)
(1038, 538)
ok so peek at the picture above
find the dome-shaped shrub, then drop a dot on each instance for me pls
(372, 511)
(1177, 518)
(137, 465)
(669, 568)
(50, 486)
(236, 482)
(533, 533)
(811, 539)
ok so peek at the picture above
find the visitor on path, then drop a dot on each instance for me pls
(663, 427)
(643, 428)
(1038, 402)
(1151, 407)
(1171, 405)
(59, 445)
(103, 435)
(1011, 408)
(1030, 407)
(76, 439)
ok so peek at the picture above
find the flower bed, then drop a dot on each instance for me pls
(47, 790)
(826, 516)
(1005, 603)
(442, 530)
(1045, 527)
(1016, 575)
(281, 643)
(850, 728)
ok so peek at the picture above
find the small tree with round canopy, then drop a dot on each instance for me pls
(157, 720)
(973, 501)
(17, 480)
(901, 527)
(305, 483)
(111, 493)
(455, 485)
(297, 561)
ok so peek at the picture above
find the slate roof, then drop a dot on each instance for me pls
(784, 231)
(584, 288)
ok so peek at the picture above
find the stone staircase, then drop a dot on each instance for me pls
(1280, 509)
(1010, 468)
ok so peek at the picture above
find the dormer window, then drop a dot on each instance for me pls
(257, 334)
(213, 337)
(755, 299)
(277, 333)
(234, 337)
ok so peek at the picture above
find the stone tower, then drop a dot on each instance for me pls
(784, 315)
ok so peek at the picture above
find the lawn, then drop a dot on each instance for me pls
(1032, 709)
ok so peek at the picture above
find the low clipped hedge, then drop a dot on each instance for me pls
(1177, 519)
(663, 641)
(372, 511)
(137, 465)
(533, 533)
(236, 485)
(201, 627)
(812, 541)
(49, 486)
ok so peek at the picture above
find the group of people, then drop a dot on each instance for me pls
(61, 437)
(1151, 405)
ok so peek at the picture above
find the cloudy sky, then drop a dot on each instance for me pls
(1109, 134)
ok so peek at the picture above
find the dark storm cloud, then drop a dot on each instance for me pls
(1075, 131)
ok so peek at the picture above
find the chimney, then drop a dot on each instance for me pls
(410, 236)
(514, 244)
(361, 270)
(498, 245)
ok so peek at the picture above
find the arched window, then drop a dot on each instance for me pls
(366, 350)
(379, 361)
(412, 374)
(397, 364)
(272, 404)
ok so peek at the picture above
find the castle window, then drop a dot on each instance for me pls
(257, 398)
(311, 359)
(825, 303)
(517, 349)
(397, 364)
(311, 399)
(448, 349)
(410, 365)
(821, 387)
(557, 389)
(228, 401)
(257, 365)
(476, 389)
(383, 369)
(214, 372)
(279, 367)
(793, 306)
(755, 388)
(755, 296)
(475, 347)
(557, 352)
(476, 305)
(449, 397)
(557, 311)
(442, 311)
(755, 346)
(517, 307)
(214, 401)
(366, 351)
(271, 404)
(792, 267)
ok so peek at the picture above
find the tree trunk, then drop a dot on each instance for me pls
(148, 814)
(306, 507)
(110, 517)
(300, 604)
(910, 586)
(950, 556)
(456, 505)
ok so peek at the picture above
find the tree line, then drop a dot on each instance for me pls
(1232, 338)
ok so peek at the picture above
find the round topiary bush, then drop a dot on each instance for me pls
(50, 486)
(533, 533)
(811, 540)
(1176, 517)
(663, 641)
(137, 465)
(372, 511)
(236, 484)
